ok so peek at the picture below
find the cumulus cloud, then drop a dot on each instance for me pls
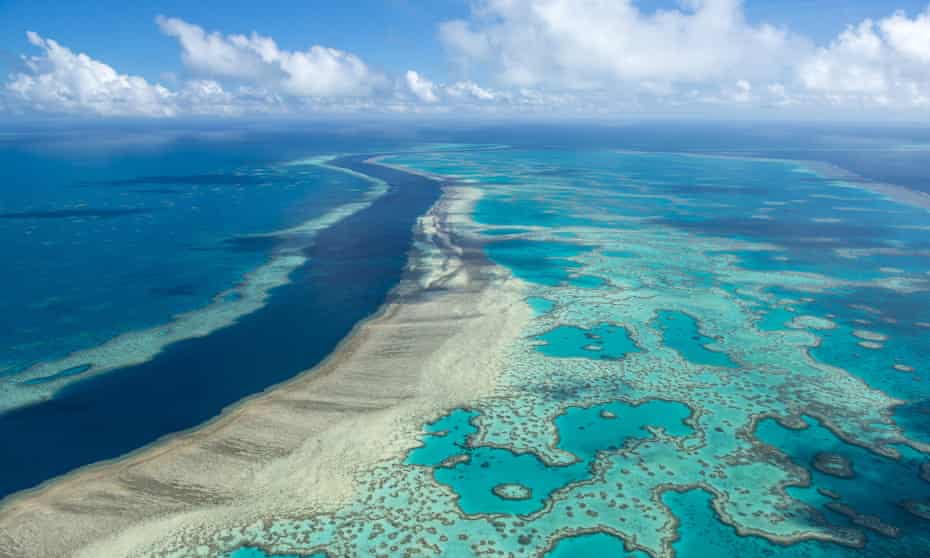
(316, 72)
(581, 57)
(582, 44)
(883, 63)
(61, 81)
(421, 87)
(851, 64)
(705, 51)
(459, 93)
(470, 90)
(909, 37)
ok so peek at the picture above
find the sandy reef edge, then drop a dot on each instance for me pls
(297, 449)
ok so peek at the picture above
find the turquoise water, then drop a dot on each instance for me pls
(878, 484)
(680, 332)
(596, 544)
(474, 471)
(547, 263)
(587, 281)
(447, 437)
(503, 231)
(774, 319)
(250, 552)
(702, 534)
(540, 305)
(603, 341)
(584, 431)
(484, 468)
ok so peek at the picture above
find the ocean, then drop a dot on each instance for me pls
(727, 352)
(105, 247)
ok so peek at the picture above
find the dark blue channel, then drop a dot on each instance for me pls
(353, 265)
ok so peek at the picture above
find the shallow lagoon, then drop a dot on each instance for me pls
(680, 332)
(603, 341)
(597, 544)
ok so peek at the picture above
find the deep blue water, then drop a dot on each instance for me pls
(93, 225)
(353, 265)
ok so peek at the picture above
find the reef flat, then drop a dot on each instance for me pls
(594, 352)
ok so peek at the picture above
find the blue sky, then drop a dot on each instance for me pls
(577, 57)
(393, 34)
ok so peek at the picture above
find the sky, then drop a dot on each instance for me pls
(593, 59)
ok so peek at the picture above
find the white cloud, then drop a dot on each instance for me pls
(458, 93)
(207, 97)
(851, 64)
(703, 52)
(469, 90)
(421, 87)
(910, 37)
(568, 57)
(61, 81)
(592, 43)
(740, 92)
(884, 63)
(316, 72)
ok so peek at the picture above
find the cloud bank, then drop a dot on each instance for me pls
(317, 72)
(885, 62)
(61, 81)
(584, 44)
(581, 57)
(703, 52)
